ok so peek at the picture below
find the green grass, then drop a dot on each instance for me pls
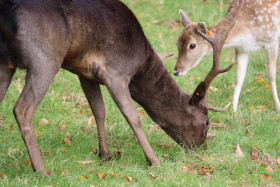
(251, 127)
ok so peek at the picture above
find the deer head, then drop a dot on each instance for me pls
(191, 46)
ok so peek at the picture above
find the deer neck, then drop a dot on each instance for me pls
(157, 92)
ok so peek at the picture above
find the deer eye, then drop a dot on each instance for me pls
(206, 122)
(192, 46)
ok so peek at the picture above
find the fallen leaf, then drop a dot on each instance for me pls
(278, 161)
(153, 176)
(38, 133)
(63, 149)
(128, 179)
(211, 136)
(268, 160)
(64, 172)
(66, 141)
(20, 87)
(266, 86)
(238, 151)
(264, 176)
(269, 169)
(113, 174)
(26, 162)
(217, 125)
(253, 88)
(82, 178)
(12, 127)
(101, 175)
(94, 150)
(165, 155)
(85, 162)
(259, 80)
(254, 154)
(47, 153)
(62, 128)
(1, 175)
(187, 169)
(118, 154)
(43, 123)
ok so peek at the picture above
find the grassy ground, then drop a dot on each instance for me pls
(74, 162)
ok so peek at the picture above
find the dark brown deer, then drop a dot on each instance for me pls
(103, 43)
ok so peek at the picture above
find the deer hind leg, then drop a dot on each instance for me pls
(119, 91)
(38, 80)
(6, 75)
(94, 97)
(272, 53)
(242, 59)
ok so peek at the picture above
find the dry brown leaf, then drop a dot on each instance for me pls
(238, 151)
(63, 149)
(269, 169)
(43, 123)
(85, 162)
(217, 125)
(82, 178)
(65, 141)
(264, 176)
(128, 179)
(259, 80)
(47, 153)
(26, 162)
(1, 175)
(64, 172)
(101, 175)
(266, 86)
(38, 133)
(62, 128)
(254, 154)
(211, 136)
(113, 174)
(165, 155)
(118, 154)
(187, 169)
(278, 161)
(12, 127)
(153, 176)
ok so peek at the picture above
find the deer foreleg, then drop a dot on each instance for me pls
(272, 53)
(94, 97)
(121, 95)
(241, 68)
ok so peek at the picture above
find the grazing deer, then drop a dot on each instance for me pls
(257, 26)
(103, 43)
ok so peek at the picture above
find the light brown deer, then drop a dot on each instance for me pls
(257, 26)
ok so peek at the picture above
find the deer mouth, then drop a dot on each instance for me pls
(180, 73)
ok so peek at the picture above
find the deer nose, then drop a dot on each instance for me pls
(176, 72)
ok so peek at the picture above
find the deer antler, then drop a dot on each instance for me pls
(217, 43)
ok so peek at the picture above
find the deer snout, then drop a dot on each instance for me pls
(179, 71)
(176, 72)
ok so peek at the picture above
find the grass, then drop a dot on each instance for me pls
(255, 125)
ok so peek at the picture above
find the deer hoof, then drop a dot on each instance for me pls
(106, 155)
(153, 162)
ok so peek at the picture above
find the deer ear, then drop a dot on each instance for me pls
(184, 18)
(201, 26)
(198, 94)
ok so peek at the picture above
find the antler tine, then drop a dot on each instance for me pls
(217, 43)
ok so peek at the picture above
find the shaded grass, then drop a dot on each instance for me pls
(249, 128)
